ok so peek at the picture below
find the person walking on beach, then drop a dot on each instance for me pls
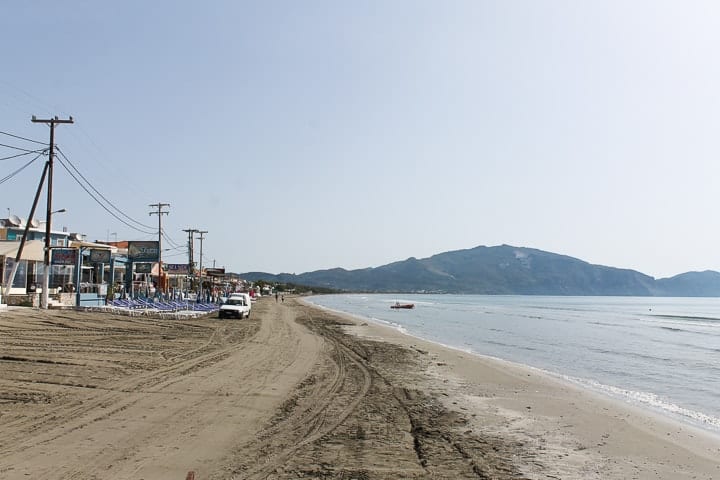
(276, 295)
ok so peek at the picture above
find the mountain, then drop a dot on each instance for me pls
(691, 284)
(502, 270)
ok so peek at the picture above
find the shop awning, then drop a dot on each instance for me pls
(33, 250)
(86, 245)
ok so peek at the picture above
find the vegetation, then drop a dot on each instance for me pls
(292, 287)
(500, 270)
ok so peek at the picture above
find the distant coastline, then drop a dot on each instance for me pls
(501, 270)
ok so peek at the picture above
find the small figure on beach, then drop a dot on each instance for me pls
(276, 297)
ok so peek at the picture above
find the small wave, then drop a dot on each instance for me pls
(387, 323)
(707, 329)
(643, 356)
(674, 329)
(687, 317)
(560, 309)
(653, 401)
(605, 324)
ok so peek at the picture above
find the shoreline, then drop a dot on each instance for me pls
(604, 391)
(569, 421)
(692, 420)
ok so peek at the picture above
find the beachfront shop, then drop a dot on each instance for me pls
(28, 273)
(93, 270)
(77, 273)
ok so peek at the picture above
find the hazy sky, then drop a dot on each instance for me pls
(320, 134)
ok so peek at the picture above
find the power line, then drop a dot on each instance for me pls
(171, 241)
(8, 177)
(22, 138)
(16, 148)
(175, 254)
(23, 154)
(101, 195)
(99, 202)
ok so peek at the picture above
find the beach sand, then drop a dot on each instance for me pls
(300, 392)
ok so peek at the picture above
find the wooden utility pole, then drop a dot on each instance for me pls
(48, 218)
(18, 256)
(201, 237)
(191, 253)
(160, 213)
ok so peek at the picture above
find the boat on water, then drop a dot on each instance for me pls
(403, 305)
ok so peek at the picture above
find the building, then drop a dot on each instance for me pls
(31, 269)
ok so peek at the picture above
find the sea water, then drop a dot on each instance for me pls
(662, 354)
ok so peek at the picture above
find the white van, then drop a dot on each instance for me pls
(246, 296)
(234, 307)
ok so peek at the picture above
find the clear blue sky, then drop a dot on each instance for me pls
(320, 134)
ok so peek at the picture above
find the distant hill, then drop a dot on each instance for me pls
(691, 284)
(502, 270)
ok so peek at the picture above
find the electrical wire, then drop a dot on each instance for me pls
(171, 241)
(101, 195)
(11, 175)
(99, 202)
(16, 148)
(23, 138)
(175, 255)
(22, 154)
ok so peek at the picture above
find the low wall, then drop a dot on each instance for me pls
(90, 300)
(65, 298)
(29, 300)
(33, 300)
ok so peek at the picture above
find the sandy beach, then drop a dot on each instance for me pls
(299, 392)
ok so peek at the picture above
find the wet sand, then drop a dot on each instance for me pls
(299, 392)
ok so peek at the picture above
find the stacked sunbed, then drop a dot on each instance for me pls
(142, 306)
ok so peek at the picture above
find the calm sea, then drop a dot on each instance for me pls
(662, 354)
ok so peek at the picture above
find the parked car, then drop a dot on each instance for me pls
(235, 306)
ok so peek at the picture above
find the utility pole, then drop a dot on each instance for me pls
(48, 218)
(159, 213)
(201, 237)
(18, 256)
(191, 253)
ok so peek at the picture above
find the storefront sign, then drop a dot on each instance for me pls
(64, 256)
(143, 267)
(214, 272)
(143, 251)
(99, 256)
(176, 268)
